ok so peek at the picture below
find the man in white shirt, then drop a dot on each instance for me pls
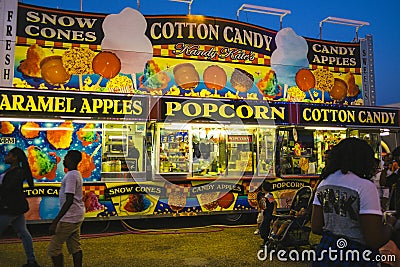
(67, 224)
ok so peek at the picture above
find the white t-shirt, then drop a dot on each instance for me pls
(343, 198)
(72, 183)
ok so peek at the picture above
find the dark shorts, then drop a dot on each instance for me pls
(348, 253)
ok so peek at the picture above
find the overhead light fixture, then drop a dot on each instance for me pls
(348, 22)
(189, 2)
(263, 10)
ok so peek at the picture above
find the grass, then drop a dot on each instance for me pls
(199, 246)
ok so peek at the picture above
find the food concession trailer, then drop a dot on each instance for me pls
(177, 115)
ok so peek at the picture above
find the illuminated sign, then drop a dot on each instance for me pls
(39, 103)
(171, 55)
(223, 110)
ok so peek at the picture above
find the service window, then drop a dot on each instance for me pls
(266, 151)
(208, 150)
(123, 151)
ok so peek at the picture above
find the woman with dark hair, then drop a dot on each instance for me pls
(346, 207)
(13, 203)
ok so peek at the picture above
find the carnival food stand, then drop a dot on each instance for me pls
(176, 115)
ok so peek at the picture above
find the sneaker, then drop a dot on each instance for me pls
(31, 264)
(256, 232)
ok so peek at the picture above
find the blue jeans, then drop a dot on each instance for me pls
(18, 223)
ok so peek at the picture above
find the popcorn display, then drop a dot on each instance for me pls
(78, 60)
(294, 94)
(324, 81)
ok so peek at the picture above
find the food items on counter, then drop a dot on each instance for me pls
(304, 164)
(186, 76)
(91, 201)
(42, 165)
(31, 65)
(268, 86)
(30, 130)
(7, 127)
(241, 80)
(60, 137)
(352, 87)
(297, 149)
(53, 71)
(339, 90)
(214, 78)
(225, 200)
(153, 77)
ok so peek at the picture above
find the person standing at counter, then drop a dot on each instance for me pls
(67, 224)
(13, 203)
(346, 205)
(268, 211)
(391, 178)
